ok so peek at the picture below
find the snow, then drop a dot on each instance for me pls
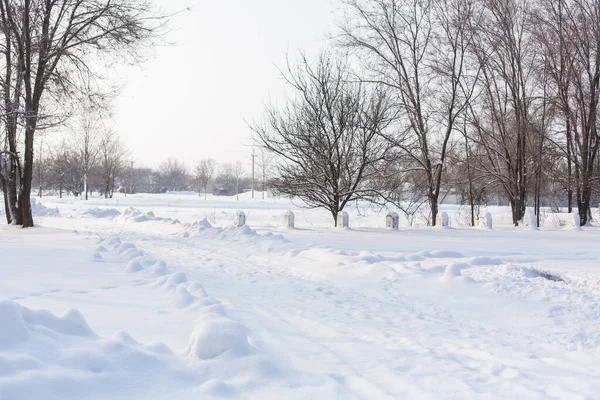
(111, 298)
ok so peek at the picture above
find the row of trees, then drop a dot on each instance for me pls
(424, 97)
(95, 160)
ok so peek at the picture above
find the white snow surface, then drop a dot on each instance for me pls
(161, 297)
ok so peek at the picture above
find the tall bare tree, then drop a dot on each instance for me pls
(173, 175)
(569, 35)
(418, 49)
(204, 174)
(53, 49)
(111, 160)
(327, 139)
(238, 175)
(86, 143)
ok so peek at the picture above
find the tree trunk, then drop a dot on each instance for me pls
(6, 207)
(27, 217)
(13, 197)
(433, 203)
(569, 170)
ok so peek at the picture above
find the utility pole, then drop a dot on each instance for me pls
(253, 155)
(131, 178)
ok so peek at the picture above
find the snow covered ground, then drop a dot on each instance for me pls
(158, 297)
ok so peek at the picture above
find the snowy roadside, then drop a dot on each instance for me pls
(305, 313)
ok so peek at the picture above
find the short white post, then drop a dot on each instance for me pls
(240, 218)
(530, 220)
(576, 222)
(288, 219)
(392, 221)
(343, 220)
(442, 220)
(487, 221)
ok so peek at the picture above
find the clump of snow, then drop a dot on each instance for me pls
(40, 210)
(453, 270)
(197, 289)
(369, 256)
(132, 215)
(160, 268)
(133, 266)
(198, 226)
(213, 337)
(102, 212)
(19, 324)
(177, 278)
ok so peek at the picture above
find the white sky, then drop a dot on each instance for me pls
(191, 99)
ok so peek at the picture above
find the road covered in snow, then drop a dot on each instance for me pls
(154, 297)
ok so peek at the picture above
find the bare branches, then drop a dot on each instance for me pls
(327, 139)
(418, 49)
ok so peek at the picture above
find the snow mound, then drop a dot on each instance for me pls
(181, 298)
(102, 212)
(40, 210)
(160, 269)
(199, 226)
(441, 254)
(177, 278)
(43, 356)
(133, 215)
(133, 266)
(20, 324)
(213, 337)
(453, 270)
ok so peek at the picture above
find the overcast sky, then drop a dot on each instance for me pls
(191, 99)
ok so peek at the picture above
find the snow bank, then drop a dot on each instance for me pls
(133, 215)
(214, 334)
(40, 210)
(101, 212)
(213, 337)
(43, 356)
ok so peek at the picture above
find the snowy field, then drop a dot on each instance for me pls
(158, 297)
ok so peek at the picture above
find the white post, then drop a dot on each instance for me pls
(530, 219)
(442, 220)
(240, 218)
(487, 220)
(288, 219)
(343, 220)
(576, 222)
(392, 221)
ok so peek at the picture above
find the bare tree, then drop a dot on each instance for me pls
(173, 175)
(204, 174)
(111, 161)
(264, 161)
(505, 52)
(51, 50)
(238, 174)
(418, 49)
(569, 35)
(86, 143)
(327, 140)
